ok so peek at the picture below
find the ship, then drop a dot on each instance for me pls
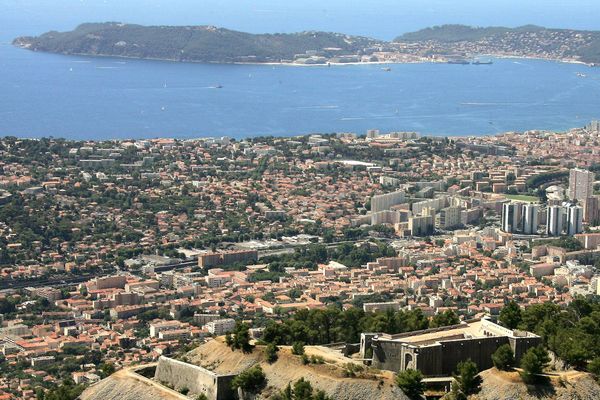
(460, 62)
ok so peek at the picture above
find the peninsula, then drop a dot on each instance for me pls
(448, 43)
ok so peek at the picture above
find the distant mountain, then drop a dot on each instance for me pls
(192, 43)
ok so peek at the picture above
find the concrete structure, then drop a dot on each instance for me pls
(223, 258)
(384, 202)
(511, 217)
(554, 221)
(574, 220)
(421, 225)
(220, 326)
(581, 184)
(386, 217)
(530, 219)
(449, 217)
(197, 380)
(591, 210)
(436, 204)
(436, 352)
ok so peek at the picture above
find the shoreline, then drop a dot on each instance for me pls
(328, 64)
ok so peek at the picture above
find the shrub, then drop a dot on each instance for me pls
(467, 380)
(411, 383)
(533, 363)
(271, 353)
(503, 358)
(298, 348)
(251, 380)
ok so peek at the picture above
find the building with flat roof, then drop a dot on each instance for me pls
(437, 351)
(581, 184)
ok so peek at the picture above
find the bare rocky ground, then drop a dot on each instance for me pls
(127, 385)
(329, 376)
(572, 385)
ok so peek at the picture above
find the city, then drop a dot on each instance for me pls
(128, 254)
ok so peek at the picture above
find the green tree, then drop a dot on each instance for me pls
(446, 318)
(240, 339)
(503, 358)
(302, 390)
(271, 353)
(533, 363)
(510, 315)
(411, 383)
(251, 380)
(594, 367)
(298, 348)
(467, 379)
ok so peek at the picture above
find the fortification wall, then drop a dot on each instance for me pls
(196, 379)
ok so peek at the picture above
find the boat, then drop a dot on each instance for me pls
(386, 69)
(581, 75)
(477, 62)
(459, 62)
(219, 87)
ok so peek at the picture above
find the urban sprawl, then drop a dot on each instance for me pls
(116, 254)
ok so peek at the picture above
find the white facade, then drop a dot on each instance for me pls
(554, 220)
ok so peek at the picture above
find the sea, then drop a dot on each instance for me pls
(88, 98)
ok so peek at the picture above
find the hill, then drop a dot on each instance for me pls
(192, 43)
(508, 385)
(330, 376)
(457, 33)
(528, 41)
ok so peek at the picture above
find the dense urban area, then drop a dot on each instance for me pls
(216, 268)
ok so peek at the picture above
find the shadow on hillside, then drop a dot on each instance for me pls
(542, 388)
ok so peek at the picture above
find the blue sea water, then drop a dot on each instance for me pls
(102, 98)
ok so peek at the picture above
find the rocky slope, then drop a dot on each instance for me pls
(329, 376)
(498, 385)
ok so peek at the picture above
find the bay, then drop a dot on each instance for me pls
(105, 98)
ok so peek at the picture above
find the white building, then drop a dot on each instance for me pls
(220, 326)
(554, 220)
(384, 202)
(530, 219)
(574, 220)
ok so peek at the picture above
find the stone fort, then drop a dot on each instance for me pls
(436, 352)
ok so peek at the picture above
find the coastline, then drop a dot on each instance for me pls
(328, 64)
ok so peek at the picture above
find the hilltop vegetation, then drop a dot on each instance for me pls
(457, 33)
(527, 40)
(190, 43)
(217, 45)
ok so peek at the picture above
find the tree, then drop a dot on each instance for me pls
(503, 358)
(107, 369)
(271, 353)
(467, 379)
(411, 383)
(302, 390)
(298, 348)
(240, 339)
(446, 318)
(594, 367)
(250, 380)
(510, 315)
(533, 363)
